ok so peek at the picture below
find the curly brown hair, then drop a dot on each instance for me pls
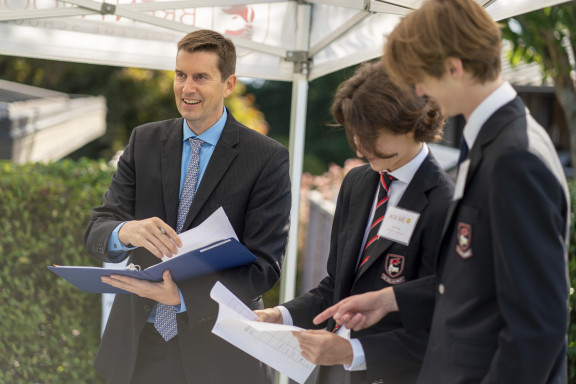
(369, 102)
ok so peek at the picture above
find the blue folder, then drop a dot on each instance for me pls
(215, 257)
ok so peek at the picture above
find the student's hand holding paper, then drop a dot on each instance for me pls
(324, 348)
(165, 292)
(269, 315)
(153, 234)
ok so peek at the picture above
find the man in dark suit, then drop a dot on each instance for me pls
(146, 207)
(389, 127)
(501, 314)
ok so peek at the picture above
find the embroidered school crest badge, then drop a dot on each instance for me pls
(464, 240)
(394, 268)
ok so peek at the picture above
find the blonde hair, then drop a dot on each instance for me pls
(441, 29)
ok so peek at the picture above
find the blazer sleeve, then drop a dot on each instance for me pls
(305, 307)
(530, 267)
(117, 206)
(415, 300)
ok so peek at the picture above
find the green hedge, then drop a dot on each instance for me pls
(50, 331)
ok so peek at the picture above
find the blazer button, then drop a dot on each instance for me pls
(441, 289)
(147, 308)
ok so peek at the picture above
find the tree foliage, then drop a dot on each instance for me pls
(548, 37)
(324, 144)
(133, 96)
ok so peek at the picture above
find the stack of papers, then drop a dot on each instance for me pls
(272, 344)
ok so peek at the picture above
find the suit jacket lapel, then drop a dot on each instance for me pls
(171, 155)
(414, 199)
(224, 154)
(488, 133)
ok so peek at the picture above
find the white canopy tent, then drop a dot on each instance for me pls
(294, 41)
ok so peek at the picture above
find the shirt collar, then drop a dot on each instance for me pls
(501, 96)
(209, 136)
(406, 172)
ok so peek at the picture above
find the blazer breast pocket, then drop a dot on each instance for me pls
(465, 224)
(228, 201)
(468, 212)
(396, 265)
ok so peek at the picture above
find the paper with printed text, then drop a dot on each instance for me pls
(273, 344)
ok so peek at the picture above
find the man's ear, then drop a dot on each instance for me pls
(230, 85)
(454, 67)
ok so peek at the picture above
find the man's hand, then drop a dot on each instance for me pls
(152, 234)
(269, 315)
(165, 292)
(361, 311)
(324, 348)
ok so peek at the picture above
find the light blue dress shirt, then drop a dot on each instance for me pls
(116, 250)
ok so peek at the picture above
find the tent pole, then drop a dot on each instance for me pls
(297, 129)
(299, 102)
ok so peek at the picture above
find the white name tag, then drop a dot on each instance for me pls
(461, 180)
(398, 225)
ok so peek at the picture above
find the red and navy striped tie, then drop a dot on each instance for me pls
(383, 190)
(384, 187)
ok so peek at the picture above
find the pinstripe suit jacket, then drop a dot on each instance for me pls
(248, 176)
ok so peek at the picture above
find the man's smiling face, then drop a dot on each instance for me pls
(199, 89)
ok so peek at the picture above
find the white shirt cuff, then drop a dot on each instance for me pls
(359, 361)
(286, 317)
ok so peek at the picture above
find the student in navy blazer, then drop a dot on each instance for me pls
(246, 173)
(389, 127)
(501, 313)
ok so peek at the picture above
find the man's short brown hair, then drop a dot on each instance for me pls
(441, 29)
(369, 102)
(208, 40)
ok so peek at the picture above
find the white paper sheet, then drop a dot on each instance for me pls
(273, 344)
(215, 228)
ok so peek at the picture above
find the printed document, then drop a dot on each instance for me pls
(215, 228)
(273, 344)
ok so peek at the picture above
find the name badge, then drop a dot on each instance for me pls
(461, 180)
(398, 225)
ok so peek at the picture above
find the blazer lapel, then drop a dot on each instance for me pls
(224, 154)
(414, 199)
(171, 155)
(361, 201)
(488, 133)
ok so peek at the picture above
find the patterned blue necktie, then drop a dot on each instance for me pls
(165, 320)
(189, 187)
